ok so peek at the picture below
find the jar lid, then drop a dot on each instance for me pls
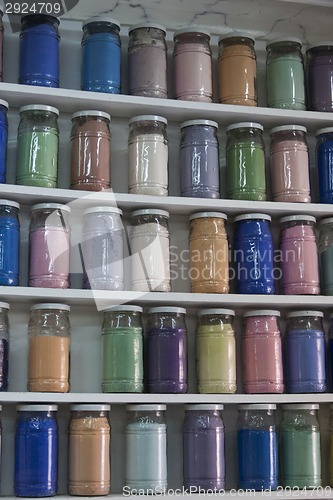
(124, 308)
(92, 407)
(150, 211)
(259, 406)
(2, 102)
(244, 125)
(10, 203)
(324, 43)
(92, 112)
(198, 407)
(201, 215)
(192, 29)
(106, 20)
(296, 314)
(61, 307)
(281, 39)
(252, 216)
(146, 407)
(56, 206)
(94, 210)
(305, 406)
(39, 107)
(236, 34)
(206, 312)
(37, 407)
(326, 130)
(289, 218)
(262, 312)
(4, 305)
(141, 118)
(189, 123)
(287, 127)
(179, 310)
(147, 25)
(328, 220)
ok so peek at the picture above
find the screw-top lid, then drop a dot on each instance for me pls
(202, 215)
(2, 102)
(244, 125)
(290, 218)
(147, 407)
(217, 311)
(191, 29)
(324, 43)
(236, 34)
(190, 123)
(124, 308)
(89, 112)
(94, 210)
(10, 203)
(204, 407)
(55, 206)
(328, 220)
(161, 309)
(281, 39)
(296, 314)
(301, 406)
(252, 216)
(141, 118)
(147, 25)
(326, 130)
(262, 312)
(39, 107)
(4, 305)
(282, 128)
(106, 20)
(61, 307)
(257, 406)
(88, 407)
(150, 211)
(37, 407)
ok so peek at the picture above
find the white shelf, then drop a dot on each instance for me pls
(69, 101)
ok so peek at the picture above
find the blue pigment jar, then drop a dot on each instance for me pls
(305, 350)
(3, 140)
(36, 451)
(253, 254)
(9, 243)
(4, 346)
(257, 447)
(39, 51)
(101, 56)
(324, 160)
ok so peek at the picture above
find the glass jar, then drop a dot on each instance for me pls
(192, 61)
(253, 254)
(330, 463)
(3, 131)
(237, 64)
(36, 451)
(166, 350)
(324, 164)
(122, 346)
(245, 162)
(9, 243)
(285, 74)
(103, 248)
(216, 352)
(37, 146)
(2, 10)
(199, 159)
(319, 71)
(148, 155)
(325, 251)
(89, 450)
(150, 256)
(49, 345)
(290, 164)
(257, 447)
(305, 352)
(300, 446)
(4, 350)
(330, 344)
(203, 444)
(90, 151)
(39, 51)
(146, 436)
(209, 253)
(101, 56)
(299, 258)
(147, 61)
(49, 245)
(262, 353)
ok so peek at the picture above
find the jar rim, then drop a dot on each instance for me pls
(212, 215)
(253, 216)
(56, 206)
(90, 407)
(41, 15)
(190, 123)
(51, 305)
(4, 305)
(218, 311)
(280, 39)
(327, 220)
(125, 308)
(204, 406)
(192, 29)
(257, 406)
(2, 101)
(150, 211)
(146, 407)
(93, 210)
(234, 126)
(297, 314)
(140, 118)
(236, 34)
(99, 19)
(323, 43)
(147, 25)
(325, 130)
(10, 203)
(262, 312)
(39, 107)
(37, 407)
(290, 218)
(91, 112)
(301, 406)
(168, 309)
(282, 128)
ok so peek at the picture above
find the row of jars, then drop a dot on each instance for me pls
(158, 362)
(192, 64)
(38, 145)
(259, 443)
